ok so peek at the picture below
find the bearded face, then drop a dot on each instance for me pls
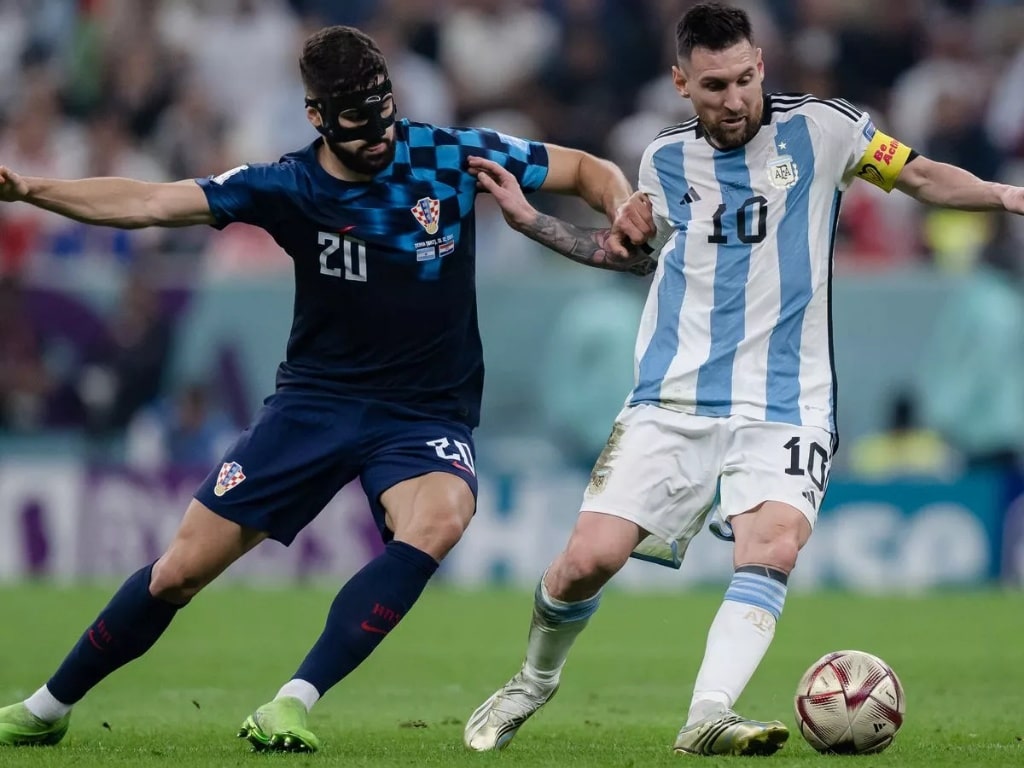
(725, 89)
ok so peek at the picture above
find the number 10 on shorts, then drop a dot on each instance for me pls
(813, 462)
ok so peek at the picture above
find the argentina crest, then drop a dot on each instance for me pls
(782, 172)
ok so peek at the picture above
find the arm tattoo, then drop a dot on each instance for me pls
(585, 245)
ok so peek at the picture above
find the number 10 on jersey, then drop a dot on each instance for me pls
(353, 256)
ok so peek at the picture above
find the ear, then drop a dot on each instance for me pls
(760, 64)
(314, 117)
(680, 81)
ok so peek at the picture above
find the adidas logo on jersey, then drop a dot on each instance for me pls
(691, 196)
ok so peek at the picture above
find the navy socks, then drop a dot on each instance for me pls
(124, 630)
(365, 610)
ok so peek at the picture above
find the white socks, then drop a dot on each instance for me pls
(301, 690)
(738, 639)
(43, 705)
(553, 629)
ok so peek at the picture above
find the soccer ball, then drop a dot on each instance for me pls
(849, 702)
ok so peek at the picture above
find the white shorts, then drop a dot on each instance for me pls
(664, 470)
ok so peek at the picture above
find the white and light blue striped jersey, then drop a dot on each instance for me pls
(738, 318)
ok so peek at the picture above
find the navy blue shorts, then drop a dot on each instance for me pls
(302, 448)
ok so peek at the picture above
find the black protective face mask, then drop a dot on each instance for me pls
(365, 105)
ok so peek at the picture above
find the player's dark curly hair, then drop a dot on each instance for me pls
(340, 59)
(712, 26)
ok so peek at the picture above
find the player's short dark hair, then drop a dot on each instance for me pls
(712, 26)
(339, 59)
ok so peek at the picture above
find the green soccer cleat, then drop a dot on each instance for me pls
(20, 728)
(726, 733)
(280, 726)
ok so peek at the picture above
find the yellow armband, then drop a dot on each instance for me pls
(882, 161)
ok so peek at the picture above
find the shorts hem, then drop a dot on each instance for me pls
(283, 538)
(654, 530)
(811, 515)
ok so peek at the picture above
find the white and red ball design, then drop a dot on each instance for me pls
(849, 702)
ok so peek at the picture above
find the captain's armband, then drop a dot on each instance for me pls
(883, 160)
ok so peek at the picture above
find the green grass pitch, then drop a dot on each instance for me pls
(624, 694)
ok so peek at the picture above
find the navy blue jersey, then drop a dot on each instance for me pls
(385, 296)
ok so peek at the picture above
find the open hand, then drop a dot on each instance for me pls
(492, 177)
(12, 186)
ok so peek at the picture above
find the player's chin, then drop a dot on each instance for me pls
(732, 135)
(377, 156)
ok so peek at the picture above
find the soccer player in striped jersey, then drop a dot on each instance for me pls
(382, 379)
(733, 408)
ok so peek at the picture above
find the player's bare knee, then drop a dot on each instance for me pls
(448, 526)
(598, 548)
(775, 545)
(591, 563)
(173, 582)
(434, 531)
(781, 555)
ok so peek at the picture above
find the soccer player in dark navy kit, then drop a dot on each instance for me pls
(383, 374)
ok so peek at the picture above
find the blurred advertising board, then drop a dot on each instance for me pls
(70, 521)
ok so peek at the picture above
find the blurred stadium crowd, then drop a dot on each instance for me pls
(170, 89)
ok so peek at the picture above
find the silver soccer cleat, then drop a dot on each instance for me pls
(496, 721)
(726, 733)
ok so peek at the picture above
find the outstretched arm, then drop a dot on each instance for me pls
(951, 187)
(602, 247)
(593, 247)
(602, 185)
(113, 202)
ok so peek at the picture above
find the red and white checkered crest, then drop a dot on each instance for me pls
(229, 476)
(426, 211)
